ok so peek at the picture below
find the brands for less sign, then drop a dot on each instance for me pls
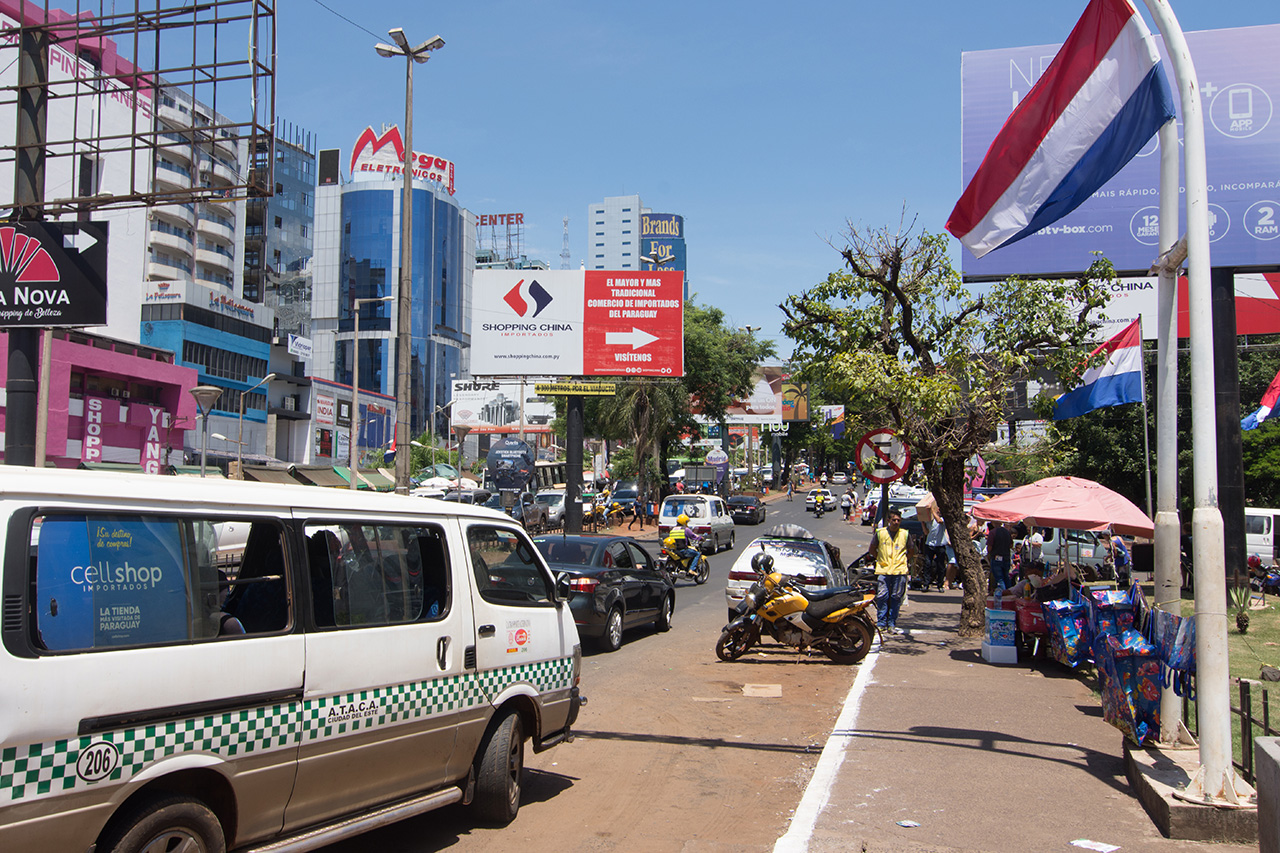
(577, 323)
(377, 156)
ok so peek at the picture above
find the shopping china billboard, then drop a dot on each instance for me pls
(577, 323)
(377, 156)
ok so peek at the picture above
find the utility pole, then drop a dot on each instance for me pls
(24, 342)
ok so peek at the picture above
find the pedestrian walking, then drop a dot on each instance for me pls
(999, 547)
(891, 548)
(846, 504)
(791, 489)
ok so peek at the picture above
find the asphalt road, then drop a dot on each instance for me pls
(676, 750)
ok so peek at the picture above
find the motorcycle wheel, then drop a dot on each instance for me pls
(704, 571)
(851, 641)
(734, 642)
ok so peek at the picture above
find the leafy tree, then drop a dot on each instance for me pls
(901, 333)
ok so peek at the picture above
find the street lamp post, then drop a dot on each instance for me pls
(206, 396)
(353, 453)
(240, 436)
(750, 448)
(421, 53)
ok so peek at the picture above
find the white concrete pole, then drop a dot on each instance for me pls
(1168, 548)
(1215, 780)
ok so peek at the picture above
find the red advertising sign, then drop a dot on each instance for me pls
(633, 323)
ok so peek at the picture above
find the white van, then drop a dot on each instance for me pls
(1260, 533)
(370, 657)
(708, 517)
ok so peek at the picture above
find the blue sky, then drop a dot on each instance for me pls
(767, 130)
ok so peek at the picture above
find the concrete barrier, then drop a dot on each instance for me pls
(1266, 756)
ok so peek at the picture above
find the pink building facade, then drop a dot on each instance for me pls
(113, 401)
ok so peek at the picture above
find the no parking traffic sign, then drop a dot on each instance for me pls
(882, 456)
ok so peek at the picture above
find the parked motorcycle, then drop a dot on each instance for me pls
(836, 621)
(695, 567)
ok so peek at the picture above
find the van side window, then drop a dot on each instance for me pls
(505, 568)
(385, 574)
(117, 580)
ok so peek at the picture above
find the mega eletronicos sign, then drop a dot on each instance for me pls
(377, 156)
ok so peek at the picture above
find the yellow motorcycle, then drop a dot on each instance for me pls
(834, 621)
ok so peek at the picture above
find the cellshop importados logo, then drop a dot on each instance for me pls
(541, 299)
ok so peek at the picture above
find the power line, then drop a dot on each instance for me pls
(345, 18)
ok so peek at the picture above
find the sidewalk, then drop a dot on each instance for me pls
(983, 757)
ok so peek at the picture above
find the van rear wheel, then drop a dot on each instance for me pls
(497, 797)
(169, 823)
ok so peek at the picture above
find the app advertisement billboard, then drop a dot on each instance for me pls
(577, 323)
(1239, 75)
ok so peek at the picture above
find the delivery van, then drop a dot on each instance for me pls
(1260, 533)
(368, 657)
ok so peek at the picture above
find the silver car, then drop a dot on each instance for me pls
(553, 500)
(814, 562)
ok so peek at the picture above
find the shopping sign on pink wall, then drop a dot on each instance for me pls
(98, 412)
(150, 419)
(141, 427)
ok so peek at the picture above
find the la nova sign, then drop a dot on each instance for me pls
(382, 155)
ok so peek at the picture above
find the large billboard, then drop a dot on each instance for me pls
(1239, 74)
(1257, 306)
(763, 406)
(495, 407)
(577, 323)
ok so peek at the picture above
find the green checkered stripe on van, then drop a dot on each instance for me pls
(334, 716)
(46, 769)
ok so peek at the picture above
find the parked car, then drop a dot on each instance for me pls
(910, 517)
(828, 500)
(526, 510)
(746, 509)
(626, 495)
(708, 518)
(795, 552)
(467, 496)
(616, 585)
(553, 500)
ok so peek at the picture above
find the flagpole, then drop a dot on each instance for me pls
(1168, 534)
(1146, 438)
(1215, 782)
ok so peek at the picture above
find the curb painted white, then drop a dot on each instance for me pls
(816, 794)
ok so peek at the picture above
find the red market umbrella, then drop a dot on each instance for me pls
(1070, 502)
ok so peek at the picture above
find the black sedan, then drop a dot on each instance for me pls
(616, 585)
(746, 509)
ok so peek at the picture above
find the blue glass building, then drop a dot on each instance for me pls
(357, 256)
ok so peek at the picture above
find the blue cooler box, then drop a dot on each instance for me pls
(1002, 627)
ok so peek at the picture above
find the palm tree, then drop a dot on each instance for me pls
(644, 410)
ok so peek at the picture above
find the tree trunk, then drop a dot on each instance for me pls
(950, 498)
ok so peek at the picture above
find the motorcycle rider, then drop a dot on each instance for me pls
(680, 541)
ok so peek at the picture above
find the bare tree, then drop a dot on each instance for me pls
(935, 359)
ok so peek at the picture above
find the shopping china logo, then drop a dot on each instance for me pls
(541, 299)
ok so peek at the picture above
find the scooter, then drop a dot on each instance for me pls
(695, 567)
(834, 621)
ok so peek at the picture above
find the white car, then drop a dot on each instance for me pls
(812, 561)
(828, 500)
(839, 478)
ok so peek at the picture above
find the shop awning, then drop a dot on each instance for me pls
(270, 475)
(320, 476)
(377, 481)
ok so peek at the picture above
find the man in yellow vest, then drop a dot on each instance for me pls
(890, 546)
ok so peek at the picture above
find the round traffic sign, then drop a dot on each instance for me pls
(882, 456)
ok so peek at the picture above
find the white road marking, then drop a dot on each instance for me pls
(796, 838)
